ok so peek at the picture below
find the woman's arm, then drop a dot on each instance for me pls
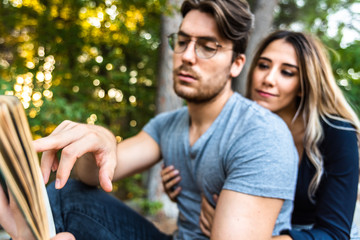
(337, 193)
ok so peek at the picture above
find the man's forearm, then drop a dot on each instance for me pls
(86, 170)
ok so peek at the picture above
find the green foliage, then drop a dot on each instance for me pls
(314, 17)
(150, 207)
(103, 60)
(91, 61)
(347, 71)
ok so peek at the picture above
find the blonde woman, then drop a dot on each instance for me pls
(291, 76)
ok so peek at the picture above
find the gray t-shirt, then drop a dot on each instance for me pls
(247, 149)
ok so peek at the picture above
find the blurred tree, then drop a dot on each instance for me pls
(166, 99)
(90, 61)
(263, 21)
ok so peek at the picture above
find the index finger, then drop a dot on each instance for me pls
(62, 136)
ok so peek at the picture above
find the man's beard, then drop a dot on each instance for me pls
(205, 94)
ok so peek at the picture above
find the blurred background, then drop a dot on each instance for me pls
(107, 62)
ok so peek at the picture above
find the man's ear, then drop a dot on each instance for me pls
(237, 65)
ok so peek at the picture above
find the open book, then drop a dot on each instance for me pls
(20, 173)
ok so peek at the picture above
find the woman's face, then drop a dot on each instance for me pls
(275, 80)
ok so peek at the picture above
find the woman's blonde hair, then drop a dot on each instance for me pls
(321, 97)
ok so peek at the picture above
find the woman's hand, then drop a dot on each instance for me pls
(207, 215)
(170, 177)
(14, 222)
(11, 218)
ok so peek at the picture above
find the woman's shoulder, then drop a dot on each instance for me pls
(340, 141)
(338, 126)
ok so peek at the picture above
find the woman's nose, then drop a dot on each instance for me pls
(270, 78)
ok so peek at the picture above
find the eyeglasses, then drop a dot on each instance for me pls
(204, 47)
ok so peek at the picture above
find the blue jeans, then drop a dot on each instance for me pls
(92, 214)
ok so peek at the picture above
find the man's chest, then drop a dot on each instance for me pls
(201, 167)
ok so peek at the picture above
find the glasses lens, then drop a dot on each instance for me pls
(171, 39)
(206, 48)
(178, 43)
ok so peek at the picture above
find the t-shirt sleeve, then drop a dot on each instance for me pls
(263, 162)
(337, 193)
(155, 125)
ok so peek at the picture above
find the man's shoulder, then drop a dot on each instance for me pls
(172, 114)
(247, 127)
(250, 115)
(166, 123)
(248, 106)
(169, 120)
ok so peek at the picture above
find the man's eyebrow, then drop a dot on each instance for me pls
(286, 64)
(209, 38)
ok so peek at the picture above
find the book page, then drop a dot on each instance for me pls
(24, 131)
(20, 168)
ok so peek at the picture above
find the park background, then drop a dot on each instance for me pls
(107, 62)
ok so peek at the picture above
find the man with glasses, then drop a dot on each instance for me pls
(221, 143)
(205, 47)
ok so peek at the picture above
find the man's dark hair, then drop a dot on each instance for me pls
(233, 18)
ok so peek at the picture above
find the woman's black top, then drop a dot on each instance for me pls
(331, 213)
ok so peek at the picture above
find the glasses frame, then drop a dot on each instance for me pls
(172, 38)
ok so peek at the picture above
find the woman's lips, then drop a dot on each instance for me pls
(266, 94)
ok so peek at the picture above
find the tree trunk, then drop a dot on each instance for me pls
(264, 15)
(166, 100)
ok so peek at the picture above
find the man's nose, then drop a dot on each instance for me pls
(189, 55)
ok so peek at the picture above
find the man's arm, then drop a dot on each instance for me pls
(99, 159)
(243, 216)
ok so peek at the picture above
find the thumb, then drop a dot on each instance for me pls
(106, 174)
(105, 180)
(63, 236)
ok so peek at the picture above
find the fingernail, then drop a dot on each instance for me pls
(57, 183)
(110, 186)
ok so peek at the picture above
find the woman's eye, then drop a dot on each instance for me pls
(263, 66)
(287, 73)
